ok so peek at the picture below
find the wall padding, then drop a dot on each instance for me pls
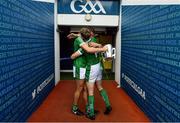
(151, 59)
(26, 57)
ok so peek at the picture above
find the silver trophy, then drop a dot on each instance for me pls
(110, 53)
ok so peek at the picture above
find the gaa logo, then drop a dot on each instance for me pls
(83, 8)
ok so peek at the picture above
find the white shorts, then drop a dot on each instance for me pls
(94, 73)
(79, 73)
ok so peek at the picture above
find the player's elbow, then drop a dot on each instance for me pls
(72, 57)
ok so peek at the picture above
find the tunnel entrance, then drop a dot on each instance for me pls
(104, 35)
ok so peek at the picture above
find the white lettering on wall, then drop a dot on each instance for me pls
(83, 8)
(42, 86)
(134, 86)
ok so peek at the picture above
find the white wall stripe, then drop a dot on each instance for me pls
(56, 46)
(48, 1)
(150, 2)
(79, 19)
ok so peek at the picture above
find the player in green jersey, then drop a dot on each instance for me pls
(93, 73)
(79, 67)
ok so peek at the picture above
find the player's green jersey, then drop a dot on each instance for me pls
(92, 62)
(79, 61)
(92, 58)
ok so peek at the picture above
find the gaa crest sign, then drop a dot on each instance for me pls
(89, 7)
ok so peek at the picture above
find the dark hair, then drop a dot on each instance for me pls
(85, 33)
(91, 29)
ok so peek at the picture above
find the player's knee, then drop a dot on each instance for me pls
(84, 88)
(80, 88)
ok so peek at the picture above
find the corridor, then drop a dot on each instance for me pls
(143, 37)
(57, 106)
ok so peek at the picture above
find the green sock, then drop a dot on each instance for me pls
(105, 97)
(91, 105)
(87, 108)
(74, 107)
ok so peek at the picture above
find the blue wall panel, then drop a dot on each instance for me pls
(111, 7)
(26, 57)
(151, 59)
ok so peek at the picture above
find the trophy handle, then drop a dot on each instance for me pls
(114, 52)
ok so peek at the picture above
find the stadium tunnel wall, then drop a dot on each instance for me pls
(26, 57)
(149, 36)
(150, 67)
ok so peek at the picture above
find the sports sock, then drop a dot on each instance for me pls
(87, 108)
(105, 97)
(91, 105)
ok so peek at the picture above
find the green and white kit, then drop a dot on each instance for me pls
(79, 64)
(93, 65)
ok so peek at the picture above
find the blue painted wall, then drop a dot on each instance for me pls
(26, 57)
(151, 59)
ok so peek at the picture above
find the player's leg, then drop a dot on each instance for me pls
(79, 74)
(85, 97)
(90, 87)
(79, 88)
(91, 75)
(103, 93)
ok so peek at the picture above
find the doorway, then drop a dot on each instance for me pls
(105, 35)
